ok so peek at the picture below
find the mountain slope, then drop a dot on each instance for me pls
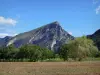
(4, 41)
(96, 38)
(51, 36)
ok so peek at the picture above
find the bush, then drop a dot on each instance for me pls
(78, 49)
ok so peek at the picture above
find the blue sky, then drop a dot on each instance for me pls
(79, 17)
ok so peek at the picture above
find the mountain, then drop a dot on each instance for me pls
(96, 38)
(5, 40)
(51, 36)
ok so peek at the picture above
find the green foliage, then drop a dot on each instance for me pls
(23, 52)
(3, 53)
(81, 48)
(78, 49)
(11, 52)
(27, 52)
(34, 52)
(8, 53)
(64, 52)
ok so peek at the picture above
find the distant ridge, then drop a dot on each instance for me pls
(5, 40)
(96, 38)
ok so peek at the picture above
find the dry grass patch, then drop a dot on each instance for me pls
(50, 68)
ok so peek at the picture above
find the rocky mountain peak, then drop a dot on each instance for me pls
(55, 24)
(51, 36)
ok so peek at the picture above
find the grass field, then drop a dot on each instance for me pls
(50, 68)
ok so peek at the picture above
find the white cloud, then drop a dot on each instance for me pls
(97, 10)
(2, 35)
(7, 21)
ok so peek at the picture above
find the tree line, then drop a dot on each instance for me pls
(27, 52)
(75, 49)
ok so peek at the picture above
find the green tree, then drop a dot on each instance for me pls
(31, 52)
(3, 53)
(44, 53)
(64, 52)
(28, 52)
(11, 52)
(23, 52)
(81, 48)
(50, 54)
(34, 53)
(78, 49)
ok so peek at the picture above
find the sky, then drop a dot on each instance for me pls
(78, 17)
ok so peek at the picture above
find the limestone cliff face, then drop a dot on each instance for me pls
(51, 36)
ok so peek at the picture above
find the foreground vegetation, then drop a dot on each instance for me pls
(25, 53)
(50, 68)
(77, 49)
